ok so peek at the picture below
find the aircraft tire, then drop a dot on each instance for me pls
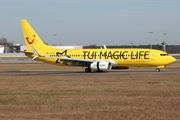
(87, 70)
(158, 70)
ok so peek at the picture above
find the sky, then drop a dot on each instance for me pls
(86, 22)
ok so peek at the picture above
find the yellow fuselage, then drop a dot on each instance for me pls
(121, 57)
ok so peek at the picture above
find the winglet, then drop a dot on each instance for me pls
(104, 46)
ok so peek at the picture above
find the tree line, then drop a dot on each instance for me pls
(5, 42)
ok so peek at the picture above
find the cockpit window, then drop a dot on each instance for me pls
(163, 54)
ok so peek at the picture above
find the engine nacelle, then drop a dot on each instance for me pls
(101, 65)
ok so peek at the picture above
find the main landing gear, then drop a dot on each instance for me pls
(158, 70)
(87, 70)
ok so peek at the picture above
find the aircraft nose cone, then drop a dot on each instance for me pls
(172, 59)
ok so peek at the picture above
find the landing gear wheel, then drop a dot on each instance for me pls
(88, 70)
(157, 70)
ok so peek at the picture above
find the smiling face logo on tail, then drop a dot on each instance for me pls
(30, 42)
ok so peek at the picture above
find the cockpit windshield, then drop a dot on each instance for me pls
(163, 54)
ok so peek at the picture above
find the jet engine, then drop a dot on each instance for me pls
(101, 65)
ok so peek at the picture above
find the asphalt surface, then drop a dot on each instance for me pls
(82, 73)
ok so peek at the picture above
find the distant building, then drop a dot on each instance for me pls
(17, 48)
(22, 48)
(1, 49)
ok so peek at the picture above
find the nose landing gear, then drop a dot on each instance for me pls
(158, 70)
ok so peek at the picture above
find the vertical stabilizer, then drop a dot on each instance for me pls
(31, 38)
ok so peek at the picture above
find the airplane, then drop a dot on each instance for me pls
(96, 60)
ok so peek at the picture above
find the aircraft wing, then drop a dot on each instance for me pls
(76, 61)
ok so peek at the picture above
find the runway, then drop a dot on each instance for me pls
(82, 73)
(32, 68)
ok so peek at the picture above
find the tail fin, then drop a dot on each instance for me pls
(31, 38)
